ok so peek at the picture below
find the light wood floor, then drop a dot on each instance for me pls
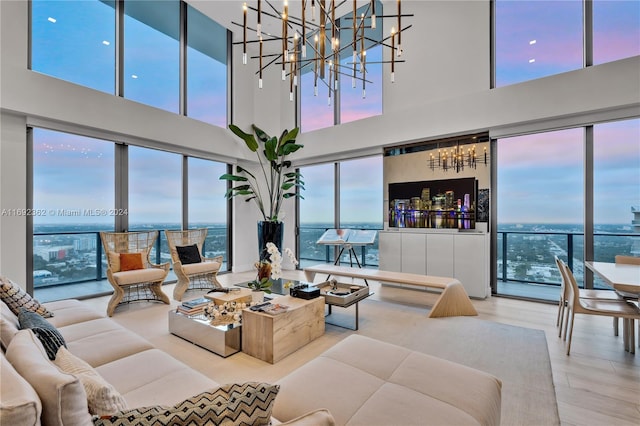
(598, 384)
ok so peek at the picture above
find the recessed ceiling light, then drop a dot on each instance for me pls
(52, 20)
(533, 42)
(134, 76)
(531, 61)
(105, 42)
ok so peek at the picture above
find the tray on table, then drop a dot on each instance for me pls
(343, 296)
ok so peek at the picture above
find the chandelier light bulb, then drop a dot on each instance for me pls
(259, 83)
(244, 59)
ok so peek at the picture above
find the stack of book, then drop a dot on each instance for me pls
(193, 307)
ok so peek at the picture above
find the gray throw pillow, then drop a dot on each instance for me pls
(49, 335)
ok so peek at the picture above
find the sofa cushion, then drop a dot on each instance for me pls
(131, 261)
(70, 311)
(188, 254)
(15, 298)
(139, 276)
(102, 340)
(9, 325)
(229, 405)
(342, 391)
(374, 382)
(64, 401)
(201, 268)
(102, 397)
(159, 380)
(49, 336)
(19, 402)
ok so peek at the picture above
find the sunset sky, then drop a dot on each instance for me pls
(539, 176)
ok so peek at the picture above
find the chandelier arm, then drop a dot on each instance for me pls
(278, 55)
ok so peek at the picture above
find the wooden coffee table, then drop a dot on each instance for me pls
(273, 337)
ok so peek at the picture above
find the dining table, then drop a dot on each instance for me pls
(624, 279)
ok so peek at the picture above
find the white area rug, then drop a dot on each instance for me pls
(517, 355)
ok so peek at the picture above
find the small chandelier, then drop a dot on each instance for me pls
(312, 41)
(456, 158)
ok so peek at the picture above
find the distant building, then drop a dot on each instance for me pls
(53, 253)
(84, 244)
(635, 249)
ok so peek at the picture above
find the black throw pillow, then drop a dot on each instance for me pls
(188, 254)
(47, 333)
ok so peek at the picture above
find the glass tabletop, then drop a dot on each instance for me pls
(278, 286)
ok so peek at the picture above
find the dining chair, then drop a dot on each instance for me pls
(622, 259)
(583, 293)
(609, 308)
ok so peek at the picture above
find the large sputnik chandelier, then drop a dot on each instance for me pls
(311, 42)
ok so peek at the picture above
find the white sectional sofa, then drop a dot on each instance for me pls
(360, 381)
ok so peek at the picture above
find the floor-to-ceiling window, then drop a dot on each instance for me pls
(541, 203)
(207, 205)
(359, 90)
(317, 211)
(358, 183)
(535, 39)
(73, 199)
(155, 195)
(75, 41)
(616, 190)
(152, 53)
(361, 201)
(77, 182)
(207, 69)
(540, 199)
(616, 30)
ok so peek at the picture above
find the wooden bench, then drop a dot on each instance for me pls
(453, 301)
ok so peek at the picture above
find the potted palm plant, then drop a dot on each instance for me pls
(275, 183)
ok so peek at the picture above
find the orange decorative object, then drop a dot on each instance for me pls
(131, 261)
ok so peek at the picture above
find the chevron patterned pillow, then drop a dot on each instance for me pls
(233, 404)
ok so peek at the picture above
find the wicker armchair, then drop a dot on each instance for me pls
(201, 272)
(129, 270)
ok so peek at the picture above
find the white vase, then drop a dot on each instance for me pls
(257, 296)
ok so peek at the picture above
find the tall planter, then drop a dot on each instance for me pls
(269, 232)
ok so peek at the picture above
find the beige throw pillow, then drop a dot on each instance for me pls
(102, 397)
(114, 261)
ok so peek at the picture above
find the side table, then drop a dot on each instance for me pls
(273, 337)
(223, 340)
